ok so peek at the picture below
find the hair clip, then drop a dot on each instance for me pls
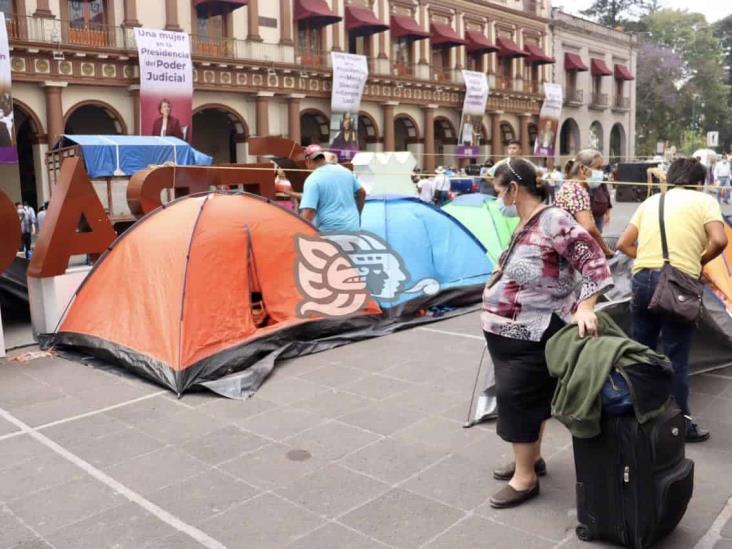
(508, 163)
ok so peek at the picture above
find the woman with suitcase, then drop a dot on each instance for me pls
(530, 296)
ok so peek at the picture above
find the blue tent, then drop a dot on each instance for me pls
(435, 259)
(123, 155)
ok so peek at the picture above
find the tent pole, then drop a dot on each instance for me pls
(468, 423)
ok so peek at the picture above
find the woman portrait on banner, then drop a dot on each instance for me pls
(468, 135)
(547, 134)
(167, 125)
(345, 143)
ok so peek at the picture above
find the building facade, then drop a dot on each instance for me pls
(596, 68)
(263, 68)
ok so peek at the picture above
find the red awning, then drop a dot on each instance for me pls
(573, 62)
(315, 11)
(217, 7)
(508, 48)
(363, 22)
(403, 26)
(623, 73)
(478, 42)
(444, 37)
(537, 56)
(599, 68)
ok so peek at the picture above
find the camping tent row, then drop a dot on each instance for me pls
(212, 284)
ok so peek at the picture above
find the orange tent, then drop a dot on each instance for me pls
(203, 287)
(719, 271)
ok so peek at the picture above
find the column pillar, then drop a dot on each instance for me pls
(286, 23)
(428, 164)
(384, 18)
(263, 113)
(134, 92)
(171, 16)
(424, 44)
(336, 46)
(496, 138)
(253, 21)
(54, 110)
(389, 134)
(43, 9)
(526, 149)
(130, 19)
(293, 116)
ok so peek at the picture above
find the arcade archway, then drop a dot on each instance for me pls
(220, 132)
(94, 118)
(314, 128)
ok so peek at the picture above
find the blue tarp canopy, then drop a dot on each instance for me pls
(123, 155)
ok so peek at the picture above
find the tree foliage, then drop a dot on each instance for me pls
(615, 12)
(681, 80)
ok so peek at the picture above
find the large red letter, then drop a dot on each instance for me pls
(74, 199)
(9, 232)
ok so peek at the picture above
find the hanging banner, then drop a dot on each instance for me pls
(166, 83)
(350, 73)
(551, 110)
(8, 152)
(476, 99)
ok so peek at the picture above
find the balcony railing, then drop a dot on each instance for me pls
(311, 57)
(504, 83)
(599, 101)
(622, 103)
(403, 69)
(533, 87)
(440, 74)
(574, 97)
(213, 47)
(70, 33)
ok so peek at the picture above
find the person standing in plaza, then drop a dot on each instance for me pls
(426, 188)
(27, 219)
(532, 294)
(332, 197)
(441, 183)
(695, 235)
(723, 174)
(582, 174)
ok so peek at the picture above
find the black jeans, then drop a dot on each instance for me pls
(676, 337)
(26, 244)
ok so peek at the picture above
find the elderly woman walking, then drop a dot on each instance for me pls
(531, 295)
(584, 174)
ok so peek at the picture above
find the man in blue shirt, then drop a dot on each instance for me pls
(332, 197)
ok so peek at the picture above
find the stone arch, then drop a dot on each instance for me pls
(28, 134)
(618, 143)
(209, 122)
(533, 132)
(237, 120)
(406, 131)
(314, 127)
(569, 138)
(368, 130)
(596, 136)
(508, 133)
(94, 117)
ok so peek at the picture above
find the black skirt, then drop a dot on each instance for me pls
(524, 388)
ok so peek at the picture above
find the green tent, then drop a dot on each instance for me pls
(479, 214)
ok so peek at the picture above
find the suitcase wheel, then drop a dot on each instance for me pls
(584, 533)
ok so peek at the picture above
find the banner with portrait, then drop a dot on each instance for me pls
(551, 111)
(471, 123)
(350, 73)
(166, 83)
(8, 151)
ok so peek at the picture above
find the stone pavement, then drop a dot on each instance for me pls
(361, 446)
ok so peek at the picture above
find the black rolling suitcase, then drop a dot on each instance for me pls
(633, 481)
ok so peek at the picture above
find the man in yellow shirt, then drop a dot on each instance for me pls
(695, 235)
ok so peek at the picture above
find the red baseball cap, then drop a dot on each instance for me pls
(313, 151)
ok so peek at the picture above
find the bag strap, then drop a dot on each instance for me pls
(664, 242)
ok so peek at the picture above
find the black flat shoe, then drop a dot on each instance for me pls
(694, 433)
(510, 497)
(506, 472)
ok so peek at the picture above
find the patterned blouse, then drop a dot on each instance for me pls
(573, 197)
(552, 258)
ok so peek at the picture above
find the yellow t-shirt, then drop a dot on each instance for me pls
(685, 213)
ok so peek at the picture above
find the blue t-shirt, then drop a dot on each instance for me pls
(330, 191)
